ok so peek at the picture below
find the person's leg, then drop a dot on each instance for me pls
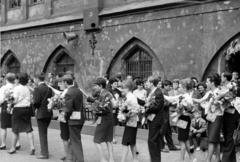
(188, 150)
(100, 151)
(198, 139)
(183, 148)
(210, 151)
(75, 136)
(18, 141)
(134, 150)
(114, 134)
(217, 150)
(3, 137)
(191, 135)
(31, 140)
(124, 153)
(110, 151)
(168, 137)
(14, 141)
(154, 143)
(66, 146)
(42, 128)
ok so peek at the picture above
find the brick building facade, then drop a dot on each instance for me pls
(170, 38)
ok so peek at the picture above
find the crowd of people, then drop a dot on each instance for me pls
(158, 110)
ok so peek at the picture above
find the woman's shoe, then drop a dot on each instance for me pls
(12, 152)
(32, 152)
(18, 147)
(194, 160)
(3, 148)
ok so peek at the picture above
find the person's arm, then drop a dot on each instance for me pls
(204, 127)
(69, 106)
(204, 98)
(157, 105)
(172, 99)
(2, 95)
(37, 98)
(16, 95)
(192, 126)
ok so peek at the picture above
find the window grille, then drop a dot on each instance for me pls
(14, 4)
(13, 65)
(139, 63)
(64, 63)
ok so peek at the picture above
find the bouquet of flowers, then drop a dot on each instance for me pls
(101, 107)
(184, 106)
(10, 100)
(126, 110)
(56, 102)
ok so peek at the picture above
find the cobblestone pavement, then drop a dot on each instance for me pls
(90, 153)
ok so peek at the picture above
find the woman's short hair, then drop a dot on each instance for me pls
(41, 77)
(215, 78)
(128, 84)
(112, 80)
(202, 84)
(10, 77)
(23, 78)
(101, 82)
(139, 82)
(175, 81)
(187, 83)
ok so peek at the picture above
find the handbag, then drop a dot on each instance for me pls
(182, 124)
(211, 117)
(76, 115)
(236, 136)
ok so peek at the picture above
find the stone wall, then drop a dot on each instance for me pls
(183, 41)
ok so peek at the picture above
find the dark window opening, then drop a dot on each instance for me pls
(14, 4)
(13, 65)
(139, 63)
(64, 63)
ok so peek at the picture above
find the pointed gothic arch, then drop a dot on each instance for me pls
(219, 63)
(59, 61)
(10, 63)
(135, 58)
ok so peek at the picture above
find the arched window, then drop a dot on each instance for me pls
(139, 63)
(13, 65)
(64, 63)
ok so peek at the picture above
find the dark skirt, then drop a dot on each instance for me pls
(129, 136)
(104, 132)
(214, 129)
(65, 134)
(21, 120)
(6, 119)
(183, 134)
(115, 119)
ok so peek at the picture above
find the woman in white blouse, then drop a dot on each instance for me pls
(21, 115)
(214, 115)
(5, 117)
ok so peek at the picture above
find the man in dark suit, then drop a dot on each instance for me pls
(155, 107)
(168, 134)
(74, 105)
(41, 94)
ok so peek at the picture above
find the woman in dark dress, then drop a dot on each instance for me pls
(21, 115)
(130, 131)
(186, 87)
(116, 96)
(103, 110)
(6, 121)
(214, 115)
(64, 128)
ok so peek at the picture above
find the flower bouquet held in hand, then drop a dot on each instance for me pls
(56, 104)
(10, 101)
(128, 113)
(184, 106)
(149, 101)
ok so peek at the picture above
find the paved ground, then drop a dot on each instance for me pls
(90, 153)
